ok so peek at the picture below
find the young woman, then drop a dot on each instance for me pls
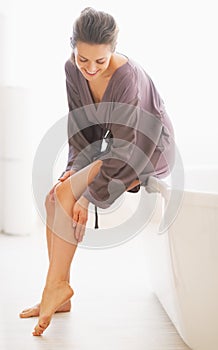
(110, 96)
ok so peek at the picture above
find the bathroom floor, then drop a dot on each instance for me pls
(113, 306)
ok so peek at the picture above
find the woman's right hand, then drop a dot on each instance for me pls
(67, 174)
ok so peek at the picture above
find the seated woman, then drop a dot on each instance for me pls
(110, 97)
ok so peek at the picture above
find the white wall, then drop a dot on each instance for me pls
(175, 41)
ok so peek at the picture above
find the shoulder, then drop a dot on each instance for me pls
(70, 69)
(137, 78)
(125, 82)
(137, 72)
(72, 83)
(125, 68)
(132, 74)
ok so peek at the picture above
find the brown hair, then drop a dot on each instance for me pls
(95, 27)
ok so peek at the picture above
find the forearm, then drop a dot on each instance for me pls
(84, 202)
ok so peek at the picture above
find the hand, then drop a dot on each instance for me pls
(67, 174)
(61, 179)
(80, 217)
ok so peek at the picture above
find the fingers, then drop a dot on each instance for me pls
(66, 175)
(80, 231)
(80, 217)
(75, 219)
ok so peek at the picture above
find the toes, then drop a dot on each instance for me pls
(40, 328)
(37, 332)
(26, 310)
(32, 312)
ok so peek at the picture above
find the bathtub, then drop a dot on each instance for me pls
(183, 262)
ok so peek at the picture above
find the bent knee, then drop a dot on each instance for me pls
(64, 194)
(50, 198)
(59, 191)
(49, 202)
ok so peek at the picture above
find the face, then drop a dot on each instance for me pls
(92, 59)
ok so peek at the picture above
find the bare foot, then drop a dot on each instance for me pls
(53, 297)
(34, 310)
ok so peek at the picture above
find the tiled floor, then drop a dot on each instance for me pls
(113, 306)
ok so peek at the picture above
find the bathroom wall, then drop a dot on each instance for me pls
(173, 41)
(2, 79)
(16, 206)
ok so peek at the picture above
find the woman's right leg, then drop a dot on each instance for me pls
(33, 311)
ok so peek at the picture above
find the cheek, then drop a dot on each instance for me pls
(78, 64)
(105, 65)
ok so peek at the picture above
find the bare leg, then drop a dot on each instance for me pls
(66, 307)
(34, 310)
(57, 290)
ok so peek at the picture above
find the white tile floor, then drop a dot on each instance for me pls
(113, 306)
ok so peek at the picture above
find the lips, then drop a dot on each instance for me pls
(91, 73)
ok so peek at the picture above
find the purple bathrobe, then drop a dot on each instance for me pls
(131, 118)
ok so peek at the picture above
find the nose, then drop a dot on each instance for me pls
(91, 67)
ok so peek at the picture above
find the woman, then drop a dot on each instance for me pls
(109, 96)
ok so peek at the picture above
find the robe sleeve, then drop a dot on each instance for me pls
(136, 134)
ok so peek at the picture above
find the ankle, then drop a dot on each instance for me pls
(51, 284)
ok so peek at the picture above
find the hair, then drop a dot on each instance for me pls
(95, 27)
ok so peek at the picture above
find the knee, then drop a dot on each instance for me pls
(50, 199)
(60, 195)
(48, 202)
(64, 195)
(58, 191)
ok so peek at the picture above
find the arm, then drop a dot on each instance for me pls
(135, 137)
(84, 140)
(129, 154)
